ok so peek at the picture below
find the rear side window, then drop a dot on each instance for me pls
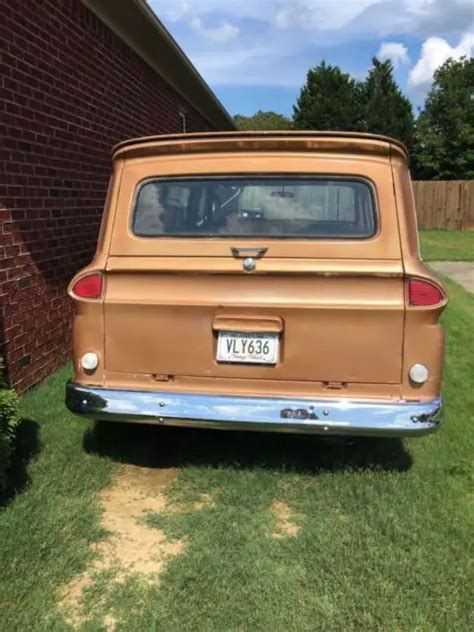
(280, 207)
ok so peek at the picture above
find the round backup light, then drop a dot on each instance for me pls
(90, 361)
(419, 373)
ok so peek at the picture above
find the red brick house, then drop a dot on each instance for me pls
(76, 77)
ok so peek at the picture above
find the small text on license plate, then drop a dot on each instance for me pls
(248, 348)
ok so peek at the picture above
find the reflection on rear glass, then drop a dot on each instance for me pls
(255, 207)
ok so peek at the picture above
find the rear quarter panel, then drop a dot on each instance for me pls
(88, 325)
(424, 335)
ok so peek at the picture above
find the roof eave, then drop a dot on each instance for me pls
(136, 24)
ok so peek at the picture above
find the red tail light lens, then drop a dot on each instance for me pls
(89, 286)
(424, 293)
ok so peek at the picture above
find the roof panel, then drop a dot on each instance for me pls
(349, 142)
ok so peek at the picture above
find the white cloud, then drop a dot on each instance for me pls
(318, 14)
(417, 17)
(219, 34)
(243, 9)
(396, 52)
(273, 42)
(228, 60)
(248, 66)
(372, 18)
(434, 52)
(177, 11)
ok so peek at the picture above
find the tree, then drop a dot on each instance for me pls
(386, 110)
(329, 100)
(445, 129)
(262, 121)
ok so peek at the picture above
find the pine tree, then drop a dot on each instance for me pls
(386, 110)
(329, 100)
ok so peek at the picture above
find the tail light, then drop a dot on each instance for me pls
(89, 286)
(424, 293)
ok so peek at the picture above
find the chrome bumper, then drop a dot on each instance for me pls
(339, 417)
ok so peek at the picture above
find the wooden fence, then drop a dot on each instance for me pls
(445, 204)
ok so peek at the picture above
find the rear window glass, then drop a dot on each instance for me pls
(255, 207)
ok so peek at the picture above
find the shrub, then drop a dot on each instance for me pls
(8, 421)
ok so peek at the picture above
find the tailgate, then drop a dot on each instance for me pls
(334, 327)
(330, 273)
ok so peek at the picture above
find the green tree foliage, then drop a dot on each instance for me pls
(329, 100)
(386, 110)
(441, 141)
(445, 129)
(333, 100)
(262, 121)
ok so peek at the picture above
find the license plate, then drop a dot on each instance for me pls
(247, 348)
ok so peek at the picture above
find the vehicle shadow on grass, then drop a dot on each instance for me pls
(25, 447)
(152, 446)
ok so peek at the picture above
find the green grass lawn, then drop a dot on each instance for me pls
(447, 245)
(380, 530)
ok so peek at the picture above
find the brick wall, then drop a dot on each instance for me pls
(70, 89)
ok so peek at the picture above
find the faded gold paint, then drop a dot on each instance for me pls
(340, 305)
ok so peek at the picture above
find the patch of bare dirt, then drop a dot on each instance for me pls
(132, 548)
(110, 623)
(204, 501)
(285, 527)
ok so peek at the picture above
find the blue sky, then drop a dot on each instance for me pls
(255, 53)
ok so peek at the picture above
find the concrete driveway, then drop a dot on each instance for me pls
(460, 271)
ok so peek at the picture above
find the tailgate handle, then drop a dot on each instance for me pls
(248, 324)
(256, 253)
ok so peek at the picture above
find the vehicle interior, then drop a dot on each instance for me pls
(278, 207)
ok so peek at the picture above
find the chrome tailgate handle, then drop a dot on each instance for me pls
(256, 253)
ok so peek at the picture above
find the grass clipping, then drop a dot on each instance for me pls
(133, 548)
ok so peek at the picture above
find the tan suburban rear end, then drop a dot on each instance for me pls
(297, 246)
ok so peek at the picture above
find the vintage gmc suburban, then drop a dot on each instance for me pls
(267, 280)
